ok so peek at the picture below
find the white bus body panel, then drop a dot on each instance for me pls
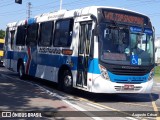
(100, 85)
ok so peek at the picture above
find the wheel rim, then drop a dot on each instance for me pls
(20, 71)
(67, 81)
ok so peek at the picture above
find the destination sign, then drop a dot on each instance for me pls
(148, 31)
(135, 29)
(122, 17)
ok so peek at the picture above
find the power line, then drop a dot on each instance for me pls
(11, 14)
(6, 5)
(4, 12)
(5, 1)
(15, 11)
(139, 3)
(46, 4)
(65, 4)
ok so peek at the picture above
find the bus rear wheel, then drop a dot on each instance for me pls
(21, 71)
(67, 81)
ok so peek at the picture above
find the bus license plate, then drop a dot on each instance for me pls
(128, 87)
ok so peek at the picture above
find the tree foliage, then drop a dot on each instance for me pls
(2, 34)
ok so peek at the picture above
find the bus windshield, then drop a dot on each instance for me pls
(126, 45)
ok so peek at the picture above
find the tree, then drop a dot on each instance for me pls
(2, 34)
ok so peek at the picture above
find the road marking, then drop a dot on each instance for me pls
(82, 99)
(101, 108)
(138, 105)
(73, 105)
(158, 84)
(61, 98)
(104, 106)
(154, 107)
(69, 103)
(6, 84)
(132, 118)
(83, 110)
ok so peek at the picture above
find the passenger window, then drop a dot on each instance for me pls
(82, 38)
(32, 33)
(21, 34)
(89, 33)
(63, 33)
(85, 37)
(6, 36)
(46, 34)
(12, 38)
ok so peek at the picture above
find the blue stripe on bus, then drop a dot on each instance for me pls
(128, 79)
(33, 60)
(16, 55)
(94, 66)
(53, 60)
(56, 60)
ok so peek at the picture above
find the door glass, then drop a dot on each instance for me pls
(83, 57)
(12, 38)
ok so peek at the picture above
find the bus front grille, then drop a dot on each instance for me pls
(129, 81)
(133, 72)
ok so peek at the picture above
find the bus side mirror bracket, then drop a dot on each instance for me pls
(96, 32)
(156, 49)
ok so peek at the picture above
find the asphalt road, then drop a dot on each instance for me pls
(38, 96)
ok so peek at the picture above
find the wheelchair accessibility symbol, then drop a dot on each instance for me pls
(134, 60)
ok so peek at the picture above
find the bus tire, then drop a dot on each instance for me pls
(67, 81)
(21, 71)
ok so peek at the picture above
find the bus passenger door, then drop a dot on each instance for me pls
(9, 46)
(83, 53)
(12, 48)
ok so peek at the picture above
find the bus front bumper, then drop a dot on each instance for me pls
(100, 85)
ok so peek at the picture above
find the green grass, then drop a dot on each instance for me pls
(157, 74)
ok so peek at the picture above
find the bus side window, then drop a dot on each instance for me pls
(89, 33)
(70, 32)
(20, 38)
(32, 33)
(6, 37)
(46, 34)
(63, 33)
(12, 39)
(82, 38)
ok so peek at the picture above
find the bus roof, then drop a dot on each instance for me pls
(68, 13)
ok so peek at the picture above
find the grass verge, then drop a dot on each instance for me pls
(157, 74)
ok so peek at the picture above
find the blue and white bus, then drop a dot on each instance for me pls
(97, 49)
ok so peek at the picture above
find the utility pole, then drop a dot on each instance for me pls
(60, 7)
(29, 10)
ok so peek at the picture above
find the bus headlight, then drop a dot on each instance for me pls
(151, 74)
(104, 72)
